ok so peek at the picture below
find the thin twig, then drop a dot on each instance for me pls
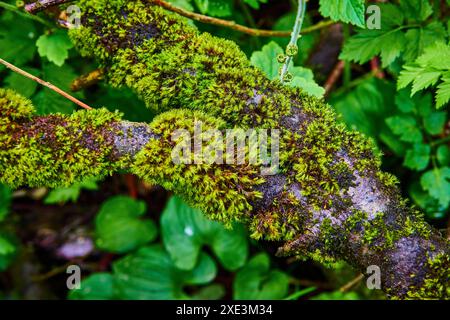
(294, 37)
(376, 69)
(45, 83)
(17, 11)
(352, 283)
(53, 272)
(334, 76)
(233, 25)
(41, 5)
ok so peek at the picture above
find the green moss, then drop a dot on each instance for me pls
(170, 65)
(436, 284)
(223, 192)
(54, 150)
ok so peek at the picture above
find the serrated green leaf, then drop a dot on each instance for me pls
(369, 43)
(432, 65)
(443, 92)
(256, 281)
(406, 127)
(119, 227)
(63, 195)
(186, 230)
(437, 183)
(418, 10)
(349, 11)
(434, 122)
(417, 39)
(149, 273)
(55, 47)
(418, 157)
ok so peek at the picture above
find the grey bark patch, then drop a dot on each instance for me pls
(133, 138)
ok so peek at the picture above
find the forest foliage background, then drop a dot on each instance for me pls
(135, 241)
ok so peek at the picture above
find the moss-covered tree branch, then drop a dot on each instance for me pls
(329, 201)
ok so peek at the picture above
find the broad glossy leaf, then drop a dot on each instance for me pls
(186, 230)
(119, 226)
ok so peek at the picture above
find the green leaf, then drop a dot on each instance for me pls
(418, 39)
(349, 11)
(427, 70)
(423, 199)
(443, 155)
(304, 78)
(257, 282)
(8, 250)
(365, 107)
(149, 273)
(255, 3)
(186, 230)
(214, 291)
(55, 46)
(337, 295)
(217, 8)
(406, 127)
(119, 227)
(437, 183)
(369, 43)
(184, 4)
(266, 60)
(17, 44)
(404, 102)
(418, 157)
(5, 201)
(63, 195)
(434, 123)
(99, 286)
(443, 92)
(418, 10)
(395, 39)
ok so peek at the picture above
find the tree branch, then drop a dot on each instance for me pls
(41, 5)
(233, 25)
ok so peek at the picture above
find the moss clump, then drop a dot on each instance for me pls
(436, 282)
(54, 150)
(223, 191)
(170, 65)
